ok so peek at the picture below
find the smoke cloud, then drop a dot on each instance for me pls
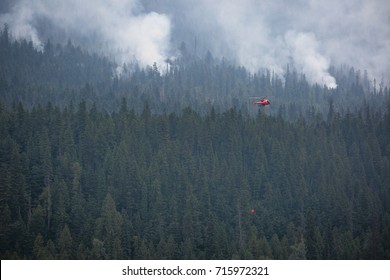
(304, 49)
(120, 28)
(309, 35)
(256, 36)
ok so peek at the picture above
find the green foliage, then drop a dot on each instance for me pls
(189, 193)
(169, 166)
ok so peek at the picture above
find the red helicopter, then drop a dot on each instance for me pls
(262, 102)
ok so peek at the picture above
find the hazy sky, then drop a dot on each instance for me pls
(310, 34)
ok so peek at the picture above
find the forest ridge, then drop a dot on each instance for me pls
(64, 74)
(169, 166)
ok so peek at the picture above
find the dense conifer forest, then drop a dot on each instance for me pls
(105, 162)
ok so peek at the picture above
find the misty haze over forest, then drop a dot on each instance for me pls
(129, 129)
(269, 34)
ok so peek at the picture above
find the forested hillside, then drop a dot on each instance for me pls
(97, 163)
(79, 183)
(64, 74)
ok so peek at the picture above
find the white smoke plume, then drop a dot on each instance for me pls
(19, 22)
(311, 35)
(304, 50)
(117, 27)
(248, 30)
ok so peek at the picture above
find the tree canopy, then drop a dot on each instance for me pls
(169, 165)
